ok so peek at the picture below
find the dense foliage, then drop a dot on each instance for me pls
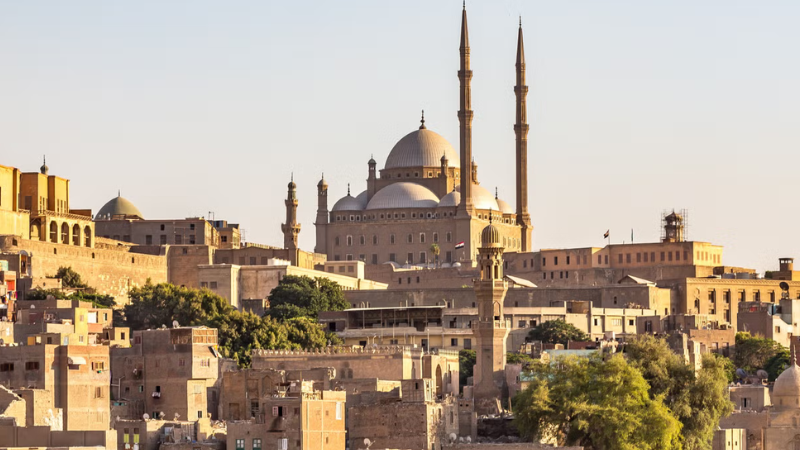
(466, 365)
(595, 403)
(697, 399)
(754, 352)
(154, 306)
(302, 296)
(70, 278)
(557, 332)
(518, 358)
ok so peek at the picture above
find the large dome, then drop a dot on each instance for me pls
(786, 391)
(505, 208)
(403, 195)
(350, 203)
(421, 148)
(119, 207)
(450, 200)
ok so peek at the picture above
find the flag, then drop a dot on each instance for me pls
(606, 234)
(460, 245)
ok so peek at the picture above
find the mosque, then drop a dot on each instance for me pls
(428, 194)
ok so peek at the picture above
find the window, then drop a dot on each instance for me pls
(336, 241)
(162, 239)
(349, 241)
(178, 239)
(410, 239)
(32, 365)
(567, 260)
(392, 257)
(374, 258)
(448, 237)
(98, 392)
(213, 285)
(191, 226)
(240, 444)
(454, 342)
(252, 260)
(423, 258)
(98, 365)
(435, 237)
(410, 258)
(544, 261)
(619, 258)
(669, 256)
(203, 284)
(256, 444)
(391, 239)
(555, 260)
(448, 256)
(422, 238)
(616, 322)
(284, 443)
(467, 343)
(663, 256)
(638, 257)
(148, 240)
(162, 227)
(374, 239)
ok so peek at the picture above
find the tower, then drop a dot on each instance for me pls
(465, 121)
(322, 216)
(372, 178)
(521, 132)
(490, 329)
(291, 229)
(673, 227)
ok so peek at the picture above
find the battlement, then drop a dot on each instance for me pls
(354, 350)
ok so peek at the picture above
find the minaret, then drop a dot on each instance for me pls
(291, 229)
(372, 178)
(490, 329)
(521, 130)
(321, 223)
(465, 120)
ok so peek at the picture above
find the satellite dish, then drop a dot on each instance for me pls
(175, 324)
(784, 286)
(161, 415)
(761, 373)
(741, 373)
(33, 306)
(367, 442)
(127, 445)
(145, 416)
(453, 437)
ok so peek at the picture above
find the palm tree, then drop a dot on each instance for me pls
(435, 252)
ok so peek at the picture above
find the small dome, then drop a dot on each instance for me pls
(322, 182)
(504, 207)
(421, 147)
(490, 236)
(403, 195)
(348, 203)
(292, 185)
(786, 391)
(450, 200)
(362, 198)
(119, 207)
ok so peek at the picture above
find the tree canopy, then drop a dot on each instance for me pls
(302, 296)
(596, 403)
(70, 278)
(557, 332)
(754, 352)
(466, 365)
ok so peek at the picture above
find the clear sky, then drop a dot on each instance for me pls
(635, 107)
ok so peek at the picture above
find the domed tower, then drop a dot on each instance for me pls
(673, 227)
(490, 329)
(372, 178)
(291, 229)
(322, 216)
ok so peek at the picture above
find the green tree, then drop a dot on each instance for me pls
(153, 306)
(698, 399)
(42, 294)
(435, 252)
(777, 363)
(302, 296)
(595, 403)
(70, 278)
(752, 352)
(557, 332)
(518, 358)
(466, 365)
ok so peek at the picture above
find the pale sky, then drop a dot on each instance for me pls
(635, 107)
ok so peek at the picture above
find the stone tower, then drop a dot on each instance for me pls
(465, 121)
(521, 132)
(673, 228)
(490, 329)
(291, 229)
(322, 216)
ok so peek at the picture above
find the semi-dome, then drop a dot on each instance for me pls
(450, 200)
(504, 207)
(403, 195)
(119, 207)
(490, 236)
(786, 391)
(421, 147)
(481, 198)
(348, 203)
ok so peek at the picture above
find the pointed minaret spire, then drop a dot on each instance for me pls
(465, 209)
(521, 131)
(422, 121)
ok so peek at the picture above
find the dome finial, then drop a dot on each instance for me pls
(422, 121)
(44, 167)
(490, 216)
(495, 193)
(292, 177)
(119, 192)
(348, 189)
(520, 21)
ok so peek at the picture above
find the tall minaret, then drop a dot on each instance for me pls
(521, 130)
(321, 223)
(490, 330)
(465, 121)
(291, 229)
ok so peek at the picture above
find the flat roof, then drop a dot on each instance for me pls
(393, 308)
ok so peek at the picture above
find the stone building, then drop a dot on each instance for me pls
(72, 378)
(427, 193)
(167, 372)
(297, 418)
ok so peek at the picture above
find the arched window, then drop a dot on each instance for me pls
(422, 238)
(362, 240)
(349, 240)
(76, 235)
(87, 236)
(448, 237)
(391, 239)
(435, 237)
(336, 241)
(374, 239)
(64, 233)
(410, 239)
(53, 232)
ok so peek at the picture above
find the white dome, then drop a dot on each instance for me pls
(403, 195)
(505, 208)
(786, 391)
(348, 203)
(450, 200)
(421, 148)
(481, 198)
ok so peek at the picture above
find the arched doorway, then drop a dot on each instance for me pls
(76, 235)
(64, 233)
(439, 381)
(87, 236)
(53, 233)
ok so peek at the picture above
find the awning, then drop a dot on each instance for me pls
(76, 360)
(520, 281)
